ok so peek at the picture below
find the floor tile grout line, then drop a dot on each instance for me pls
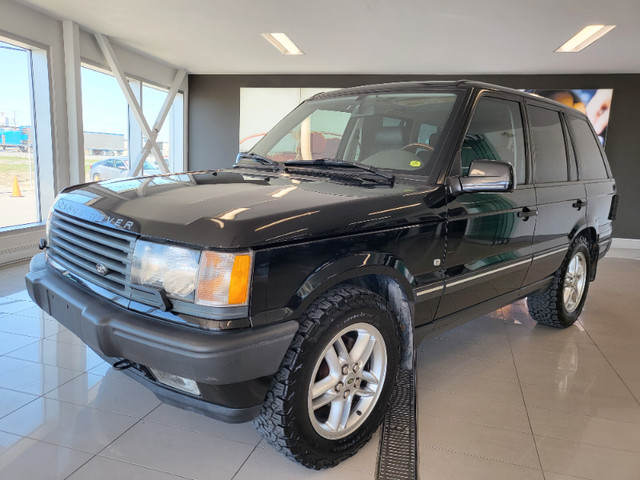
(438, 390)
(38, 440)
(8, 354)
(81, 465)
(472, 357)
(48, 442)
(43, 395)
(571, 476)
(191, 430)
(598, 417)
(107, 445)
(127, 463)
(469, 422)
(93, 455)
(142, 466)
(21, 406)
(243, 463)
(94, 408)
(466, 374)
(582, 414)
(524, 401)
(611, 365)
(482, 457)
(635, 452)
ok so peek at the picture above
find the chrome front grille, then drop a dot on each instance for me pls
(80, 247)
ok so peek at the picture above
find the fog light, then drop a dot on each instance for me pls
(181, 383)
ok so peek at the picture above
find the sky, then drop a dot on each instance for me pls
(104, 106)
(14, 85)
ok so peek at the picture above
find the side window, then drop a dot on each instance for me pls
(495, 133)
(589, 156)
(550, 154)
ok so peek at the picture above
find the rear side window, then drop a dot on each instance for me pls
(586, 145)
(495, 133)
(550, 154)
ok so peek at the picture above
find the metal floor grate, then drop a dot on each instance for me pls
(398, 454)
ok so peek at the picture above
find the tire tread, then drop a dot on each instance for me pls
(545, 307)
(275, 423)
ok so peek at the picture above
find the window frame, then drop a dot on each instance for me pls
(560, 113)
(40, 80)
(504, 96)
(603, 155)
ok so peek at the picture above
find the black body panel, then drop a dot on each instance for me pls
(445, 254)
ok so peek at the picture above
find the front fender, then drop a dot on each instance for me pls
(350, 267)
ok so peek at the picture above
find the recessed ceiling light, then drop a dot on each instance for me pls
(283, 43)
(585, 37)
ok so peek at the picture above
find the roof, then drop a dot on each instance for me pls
(417, 86)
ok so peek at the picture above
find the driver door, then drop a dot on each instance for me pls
(489, 234)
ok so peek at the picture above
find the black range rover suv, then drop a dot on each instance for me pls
(290, 288)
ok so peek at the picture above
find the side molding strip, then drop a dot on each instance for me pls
(432, 289)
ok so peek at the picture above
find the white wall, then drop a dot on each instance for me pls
(22, 24)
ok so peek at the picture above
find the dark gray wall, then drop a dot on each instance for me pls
(214, 119)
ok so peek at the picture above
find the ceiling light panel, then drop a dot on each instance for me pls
(584, 38)
(283, 43)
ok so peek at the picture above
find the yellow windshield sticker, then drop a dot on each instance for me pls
(415, 163)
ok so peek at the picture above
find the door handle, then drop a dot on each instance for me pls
(527, 212)
(579, 204)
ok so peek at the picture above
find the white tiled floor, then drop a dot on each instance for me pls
(498, 398)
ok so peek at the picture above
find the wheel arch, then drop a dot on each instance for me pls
(381, 274)
(591, 235)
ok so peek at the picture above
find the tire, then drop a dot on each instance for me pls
(320, 434)
(96, 177)
(561, 303)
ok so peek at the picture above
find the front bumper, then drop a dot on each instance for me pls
(230, 367)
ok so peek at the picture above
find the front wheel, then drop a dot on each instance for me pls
(335, 381)
(561, 303)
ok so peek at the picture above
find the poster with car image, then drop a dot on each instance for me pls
(596, 104)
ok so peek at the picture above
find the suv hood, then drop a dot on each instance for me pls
(233, 208)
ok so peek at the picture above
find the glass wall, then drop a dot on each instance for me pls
(152, 100)
(262, 108)
(112, 136)
(105, 117)
(19, 202)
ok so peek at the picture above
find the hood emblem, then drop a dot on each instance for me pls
(101, 269)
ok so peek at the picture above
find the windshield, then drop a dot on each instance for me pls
(399, 132)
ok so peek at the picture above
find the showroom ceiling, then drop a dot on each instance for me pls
(366, 36)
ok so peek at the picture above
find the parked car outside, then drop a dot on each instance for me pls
(117, 167)
(290, 288)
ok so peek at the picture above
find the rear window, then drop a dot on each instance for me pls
(550, 154)
(586, 145)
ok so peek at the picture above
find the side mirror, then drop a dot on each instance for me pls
(484, 176)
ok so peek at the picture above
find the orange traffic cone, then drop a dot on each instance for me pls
(16, 188)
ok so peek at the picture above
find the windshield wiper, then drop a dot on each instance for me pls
(259, 159)
(332, 162)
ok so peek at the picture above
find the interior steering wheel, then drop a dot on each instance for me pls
(414, 147)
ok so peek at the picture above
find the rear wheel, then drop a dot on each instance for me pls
(335, 381)
(560, 305)
(96, 177)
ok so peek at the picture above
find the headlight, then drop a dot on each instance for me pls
(47, 228)
(202, 277)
